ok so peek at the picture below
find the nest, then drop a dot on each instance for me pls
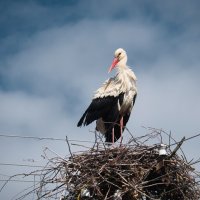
(131, 171)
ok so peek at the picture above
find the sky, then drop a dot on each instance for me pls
(55, 54)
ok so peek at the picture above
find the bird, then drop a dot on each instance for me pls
(112, 103)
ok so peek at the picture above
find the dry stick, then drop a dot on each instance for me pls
(6, 182)
(95, 142)
(126, 182)
(195, 162)
(108, 181)
(145, 182)
(11, 177)
(177, 148)
(33, 191)
(102, 142)
(197, 135)
(169, 135)
(161, 139)
(107, 193)
(51, 191)
(132, 138)
(89, 159)
(26, 194)
(69, 148)
(144, 194)
(176, 188)
(80, 145)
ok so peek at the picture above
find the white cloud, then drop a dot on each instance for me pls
(48, 81)
(27, 114)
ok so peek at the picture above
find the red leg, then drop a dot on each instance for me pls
(121, 128)
(113, 135)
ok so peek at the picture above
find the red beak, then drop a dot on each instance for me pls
(114, 62)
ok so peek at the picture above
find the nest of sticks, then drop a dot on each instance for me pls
(131, 171)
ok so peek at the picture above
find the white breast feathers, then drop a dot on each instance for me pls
(123, 82)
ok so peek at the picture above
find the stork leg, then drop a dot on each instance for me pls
(121, 128)
(113, 135)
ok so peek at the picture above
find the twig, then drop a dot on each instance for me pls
(177, 148)
(69, 147)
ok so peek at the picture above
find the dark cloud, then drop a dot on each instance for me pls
(54, 55)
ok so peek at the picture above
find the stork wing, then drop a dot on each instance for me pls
(99, 107)
(117, 131)
(111, 87)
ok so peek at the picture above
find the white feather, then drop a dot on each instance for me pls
(123, 82)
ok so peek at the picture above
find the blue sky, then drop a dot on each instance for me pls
(54, 54)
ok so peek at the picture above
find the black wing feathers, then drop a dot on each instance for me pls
(117, 135)
(105, 108)
(134, 98)
(82, 119)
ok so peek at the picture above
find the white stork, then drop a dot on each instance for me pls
(112, 103)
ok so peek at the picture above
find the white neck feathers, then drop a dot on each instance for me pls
(122, 62)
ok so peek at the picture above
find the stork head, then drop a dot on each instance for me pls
(119, 60)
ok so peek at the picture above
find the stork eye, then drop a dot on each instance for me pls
(119, 54)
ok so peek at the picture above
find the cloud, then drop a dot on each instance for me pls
(22, 114)
(49, 70)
